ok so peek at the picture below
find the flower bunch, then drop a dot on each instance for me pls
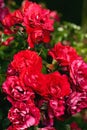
(37, 21)
(33, 93)
(43, 83)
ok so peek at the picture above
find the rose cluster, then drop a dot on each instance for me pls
(32, 93)
(75, 68)
(39, 98)
(36, 21)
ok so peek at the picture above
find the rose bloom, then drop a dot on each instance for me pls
(9, 21)
(39, 17)
(24, 115)
(24, 59)
(58, 85)
(15, 92)
(64, 55)
(36, 81)
(78, 73)
(58, 107)
(76, 102)
(13, 18)
(37, 36)
(37, 22)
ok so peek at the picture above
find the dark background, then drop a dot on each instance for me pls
(71, 10)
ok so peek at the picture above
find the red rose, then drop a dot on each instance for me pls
(24, 115)
(58, 85)
(14, 90)
(58, 107)
(76, 102)
(25, 59)
(8, 21)
(37, 22)
(78, 73)
(13, 18)
(65, 55)
(17, 16)
(36, 81)
(37, 36)
(36, 16)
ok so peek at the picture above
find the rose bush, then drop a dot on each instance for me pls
(43, 82)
